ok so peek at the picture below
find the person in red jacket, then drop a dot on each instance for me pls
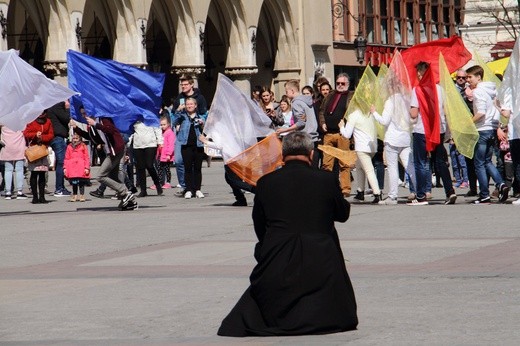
(39, 132)
(76, 167)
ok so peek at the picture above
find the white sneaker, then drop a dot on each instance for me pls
(199, 194)
(188, 195)
(388, 201)
(517, 202)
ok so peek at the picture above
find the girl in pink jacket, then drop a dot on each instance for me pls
(77, 167)
(165, 153)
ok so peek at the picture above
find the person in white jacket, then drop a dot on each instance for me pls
(145, 141)
(486, 118)
(363, 128)
(397, 141)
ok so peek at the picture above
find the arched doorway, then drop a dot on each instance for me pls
(23, 34)
(277, 50)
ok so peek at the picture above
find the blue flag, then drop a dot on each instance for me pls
(114, 90)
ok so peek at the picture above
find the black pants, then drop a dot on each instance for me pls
(37, 182)
(144, 159)
(165, 173)
(192, 157)
(81, 186)
(236, 184)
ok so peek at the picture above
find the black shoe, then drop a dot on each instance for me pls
(377, 198)
(133, 189)
(240, 204)
(180, 193)
(159, 190)
(96, 193)
(482, 200)
(132, 205)
(503, 195)
(471, 193)
(35, 200)
(142, 194)
(129, 198)
(42, 200)
(360, 196)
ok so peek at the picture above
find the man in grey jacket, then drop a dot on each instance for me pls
(303, 115)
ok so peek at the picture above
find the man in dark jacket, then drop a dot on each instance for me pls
(300, 284)
(332, 111)
(114, 147)
(60, 118)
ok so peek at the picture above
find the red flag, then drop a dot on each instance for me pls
(429, 108)
(455, 54)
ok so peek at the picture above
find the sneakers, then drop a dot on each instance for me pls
(96, 193)
(132, 205)
(451, 198)
(188, 195)
(21, 195)
(127, 199)
(388, 201)
(153, 187)
(464, 185)
(73, 198)
(418, 201)
(482, 200)
(180, 193)
(360, 196)
(62, 193)
(503, 193)
(167, 186)
(178, 186)
(81, 198)
(8, 195)
(471, 193)
(411, 196)
(429, 195)
(517, 202)
(377, 198)
(199, 194)
(240, 204)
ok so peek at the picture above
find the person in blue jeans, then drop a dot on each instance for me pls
(60, 119)
(420, 154)
(486, 119)
(458, 166)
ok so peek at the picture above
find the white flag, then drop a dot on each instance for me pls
(509, 91)
(234, 121)
(25, 92)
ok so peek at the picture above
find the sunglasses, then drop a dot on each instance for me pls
(461, 77)
(341, 83)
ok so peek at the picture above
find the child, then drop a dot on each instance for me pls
(76, 167)
(165, 153)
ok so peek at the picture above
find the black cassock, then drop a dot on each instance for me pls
(300, 284)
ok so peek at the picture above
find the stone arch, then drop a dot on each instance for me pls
(100, 29)
(171, 29)
(27, 30)
(277, 44)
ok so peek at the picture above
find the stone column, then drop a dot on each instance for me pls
(241, 76)
(194, 71)
(58, 69)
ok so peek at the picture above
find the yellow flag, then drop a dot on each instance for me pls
(348, 157)
(463, 130)
(380, 101)
(365, 94)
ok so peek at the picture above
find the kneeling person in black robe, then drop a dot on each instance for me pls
(300, 284)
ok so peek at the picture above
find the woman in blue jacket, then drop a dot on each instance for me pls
(192, 149)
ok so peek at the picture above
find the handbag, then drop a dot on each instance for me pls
(35, 152)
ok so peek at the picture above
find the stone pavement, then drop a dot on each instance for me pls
(167, 273)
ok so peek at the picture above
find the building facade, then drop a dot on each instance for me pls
(263, 42)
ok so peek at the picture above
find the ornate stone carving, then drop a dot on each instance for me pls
(241, 71)
(195, 71)
(56, 68)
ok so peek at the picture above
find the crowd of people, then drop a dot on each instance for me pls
(320, 110)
